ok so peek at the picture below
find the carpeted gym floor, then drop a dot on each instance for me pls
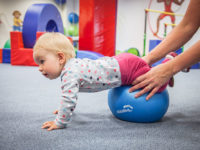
(27, 100)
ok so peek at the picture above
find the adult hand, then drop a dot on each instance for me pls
(152, 80)
(50, 125)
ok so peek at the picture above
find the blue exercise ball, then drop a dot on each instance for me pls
(125, 106)
(73, 18)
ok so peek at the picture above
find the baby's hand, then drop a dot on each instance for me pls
(50, 125)
(55, 112)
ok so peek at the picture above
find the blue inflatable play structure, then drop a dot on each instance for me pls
(40, 18)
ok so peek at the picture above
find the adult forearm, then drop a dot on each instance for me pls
(179, 35)
(176, 39)
(186, 59)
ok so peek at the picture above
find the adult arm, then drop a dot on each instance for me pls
(179, 35)
(159, 75)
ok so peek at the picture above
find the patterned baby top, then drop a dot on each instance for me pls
(85, 75)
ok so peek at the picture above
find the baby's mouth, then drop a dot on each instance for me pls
(45, 74)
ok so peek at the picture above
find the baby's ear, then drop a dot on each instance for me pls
(61, 57)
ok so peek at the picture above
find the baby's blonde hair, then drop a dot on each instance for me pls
(55, 42)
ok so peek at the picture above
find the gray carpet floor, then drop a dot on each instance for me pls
(27, 100)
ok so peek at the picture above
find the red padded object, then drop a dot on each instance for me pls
(39, 34)
(19, 54)
(70, 39)
(1, 55)
(97, 26)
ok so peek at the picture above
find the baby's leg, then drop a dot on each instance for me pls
(170, 56)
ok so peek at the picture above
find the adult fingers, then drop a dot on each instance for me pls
(139, 85)
(139, 79)
(152, 93)
(143, 91)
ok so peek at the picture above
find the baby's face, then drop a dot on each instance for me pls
(48, 62)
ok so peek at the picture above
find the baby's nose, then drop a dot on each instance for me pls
(40, 68)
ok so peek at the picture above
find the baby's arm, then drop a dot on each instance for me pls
(70, 89)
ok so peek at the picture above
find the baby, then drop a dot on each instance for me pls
(55, 56)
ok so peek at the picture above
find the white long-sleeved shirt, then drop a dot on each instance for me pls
(85, 75)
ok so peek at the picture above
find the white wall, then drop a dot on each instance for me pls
(130, 23)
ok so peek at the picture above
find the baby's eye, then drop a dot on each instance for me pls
(41, 61)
